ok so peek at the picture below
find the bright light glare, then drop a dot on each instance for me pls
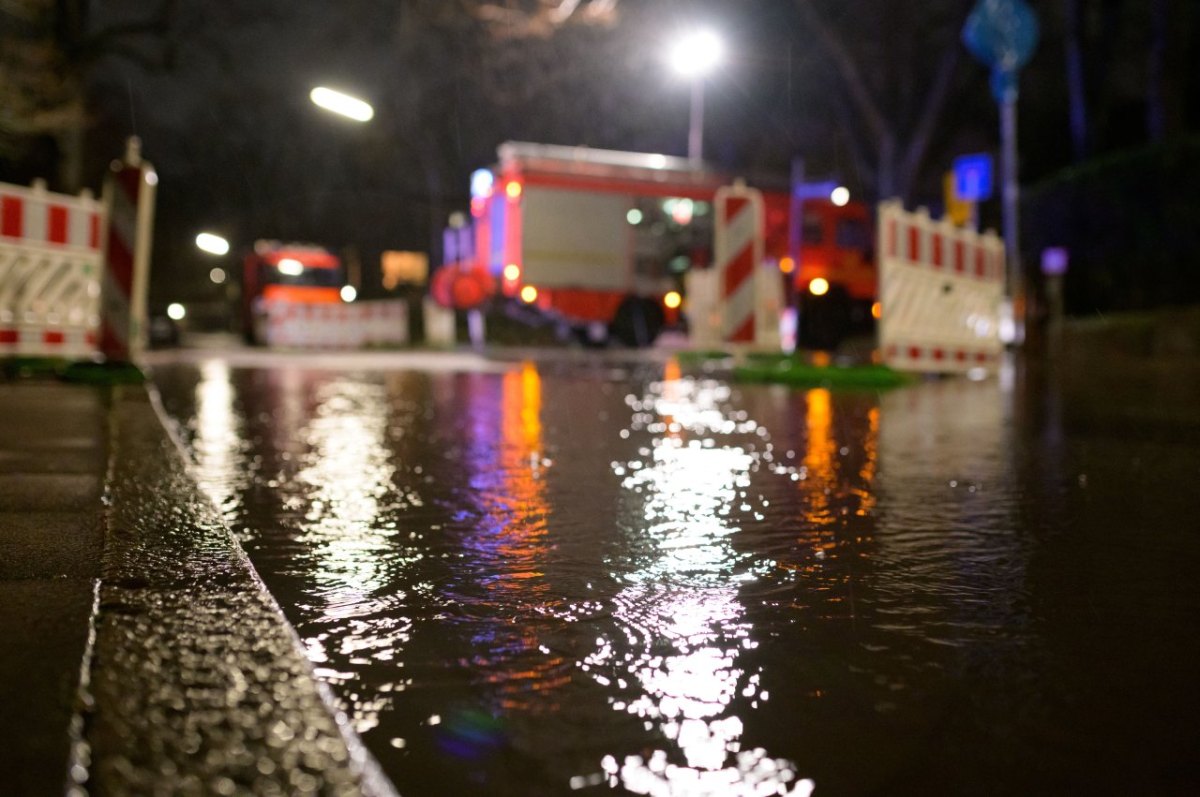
(348, 293)
(217, 275)
(697, 53)
(213, 244)
(529, 294)
(672, 300)
(840, 196)
(342, 104)
(291, 267)
(512, 272)
(482, 181)
(176, 311)
(513, 190)
(787, 265)
(819, 286)
(877, 311)
(634, 216)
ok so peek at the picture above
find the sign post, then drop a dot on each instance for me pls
(1003, 35)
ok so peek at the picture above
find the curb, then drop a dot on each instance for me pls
(198, 683)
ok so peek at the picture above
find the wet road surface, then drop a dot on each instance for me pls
(564, 578)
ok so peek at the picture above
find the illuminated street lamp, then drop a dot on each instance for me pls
(212, 243)
(342, 104)
(694, 56)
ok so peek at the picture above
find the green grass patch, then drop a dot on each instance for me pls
(785, 370)
(103, 373)
(700, 356)
(69, 371)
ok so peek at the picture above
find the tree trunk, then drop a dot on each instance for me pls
(1076, 95)
(1156, 116)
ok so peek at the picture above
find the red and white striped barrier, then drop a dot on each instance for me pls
(738, 250)
(129, 198)
(293, 325)
(941, 292)
(50, 261)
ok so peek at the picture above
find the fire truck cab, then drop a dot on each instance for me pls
(836, 283)
(276, 273)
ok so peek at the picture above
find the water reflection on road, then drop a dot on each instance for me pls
(562, 578)
(681, 623)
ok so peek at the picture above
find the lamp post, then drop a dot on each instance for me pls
(694, 56)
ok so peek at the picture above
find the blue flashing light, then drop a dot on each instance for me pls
(482, 181)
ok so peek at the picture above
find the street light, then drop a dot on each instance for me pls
(694, 56)
(212, 243)
(342, 104)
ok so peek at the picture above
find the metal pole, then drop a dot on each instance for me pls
(1011, 195)
(795, 243)
(696, 124)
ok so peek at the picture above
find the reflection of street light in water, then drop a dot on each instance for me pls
(694, 56)
(684, 626)
(346, 486)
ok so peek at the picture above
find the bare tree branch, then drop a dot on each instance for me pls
(931, 112)
(848, 70)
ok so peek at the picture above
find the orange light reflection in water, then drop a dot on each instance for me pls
(522, 670)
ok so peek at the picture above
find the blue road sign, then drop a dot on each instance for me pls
(1003, 35)
(973, 177)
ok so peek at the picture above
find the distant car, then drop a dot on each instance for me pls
(162, 330)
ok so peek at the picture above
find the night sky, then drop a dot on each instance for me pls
(219, 95)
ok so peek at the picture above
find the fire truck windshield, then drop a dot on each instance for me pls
(311, 277)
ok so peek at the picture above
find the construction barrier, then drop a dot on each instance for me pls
(705, 309)
(50, 264)
(294, 325)
(737, 249)
(702, 308)
(129, 200)
(439, 323)
(941, 293)
(739, 301)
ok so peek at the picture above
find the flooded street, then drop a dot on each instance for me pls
(562, 577)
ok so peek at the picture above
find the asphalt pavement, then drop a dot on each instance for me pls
(142, 654)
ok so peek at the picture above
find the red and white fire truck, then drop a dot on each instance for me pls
(286, 273)
(601, 239)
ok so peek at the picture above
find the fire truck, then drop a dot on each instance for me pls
(602, 239)
(834, 283)
(277, 273)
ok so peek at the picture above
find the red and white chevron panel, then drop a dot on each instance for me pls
(50, 265)
(738, 250)
(129, 199)
(292, 325)
(941, 293)
(36, 217)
